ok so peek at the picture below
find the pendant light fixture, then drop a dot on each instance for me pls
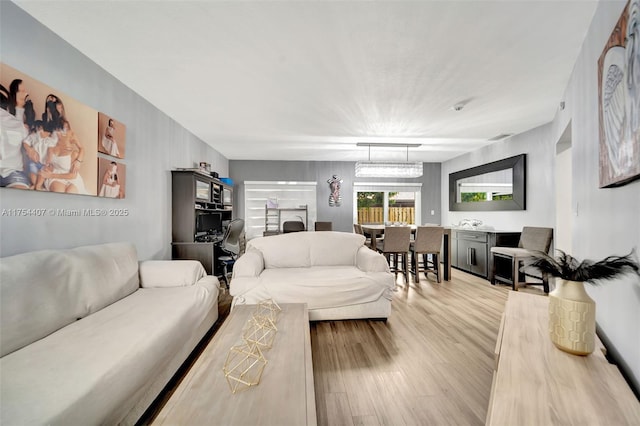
(390, 169)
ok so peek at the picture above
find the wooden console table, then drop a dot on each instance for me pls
(536, 383)
(285, 395)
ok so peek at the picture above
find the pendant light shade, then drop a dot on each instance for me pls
(389, 169)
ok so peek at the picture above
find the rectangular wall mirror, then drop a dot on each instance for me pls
(500, 185)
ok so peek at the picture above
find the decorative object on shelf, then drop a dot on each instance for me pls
(391, 169)
(469, 223)
(572, 313)
(205, 167)
(245, 363)
(619, 101)
(272, 203)
(335, 198)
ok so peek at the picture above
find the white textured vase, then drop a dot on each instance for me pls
(572, 318)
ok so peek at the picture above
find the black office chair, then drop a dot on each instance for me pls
(232, 245)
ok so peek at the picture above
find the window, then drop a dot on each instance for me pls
(387, 202)
(257, 194)
(401, 207)
(370, 207)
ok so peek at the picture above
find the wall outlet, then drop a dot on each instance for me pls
(433, 212)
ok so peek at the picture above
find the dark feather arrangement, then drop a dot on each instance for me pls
(568, 268)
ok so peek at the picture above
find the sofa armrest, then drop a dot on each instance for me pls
(209, 280)
(250, 264)
(246, 272)
(170, 273)
(368, 260)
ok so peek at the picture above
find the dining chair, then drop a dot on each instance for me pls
(323, 226)
(532, 240)
(427, 243)
(357, 228)
(396, 243)
(292, 226)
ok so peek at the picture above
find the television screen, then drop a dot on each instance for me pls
(209, 223)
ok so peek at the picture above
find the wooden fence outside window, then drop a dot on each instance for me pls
(396, 214)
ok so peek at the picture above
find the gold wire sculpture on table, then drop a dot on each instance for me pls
(269, 309)
(245, 363)
(244, 366)
(260, 331)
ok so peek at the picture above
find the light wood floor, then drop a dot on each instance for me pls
(430, 363)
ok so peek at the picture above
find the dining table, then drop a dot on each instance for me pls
(377, 230)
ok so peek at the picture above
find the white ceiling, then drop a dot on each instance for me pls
(307, 80)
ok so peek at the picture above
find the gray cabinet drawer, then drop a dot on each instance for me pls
(473, 236)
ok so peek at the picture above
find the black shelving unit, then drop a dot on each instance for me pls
(192, 194)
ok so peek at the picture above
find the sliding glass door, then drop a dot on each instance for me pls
(371, 207)
(401, 207)
(379, 203)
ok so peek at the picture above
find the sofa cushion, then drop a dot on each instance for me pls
(334, 248)
(170, 273)
(41, 292)
(305, 249)
(283, 251)
(324, 286)
(89, 369)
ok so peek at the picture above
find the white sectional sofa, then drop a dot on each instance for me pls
(91, 336)
(333, 272)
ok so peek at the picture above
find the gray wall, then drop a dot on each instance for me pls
(540, 201)
(155, 145)
(604, 221)
(321, 171)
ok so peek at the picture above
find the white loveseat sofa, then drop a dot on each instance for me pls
(91, 336)
(333, 272)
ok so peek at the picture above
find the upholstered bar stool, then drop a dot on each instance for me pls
(427, 243)
(396, 242)
(357, 228)
(323, 226)
(532, 239)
